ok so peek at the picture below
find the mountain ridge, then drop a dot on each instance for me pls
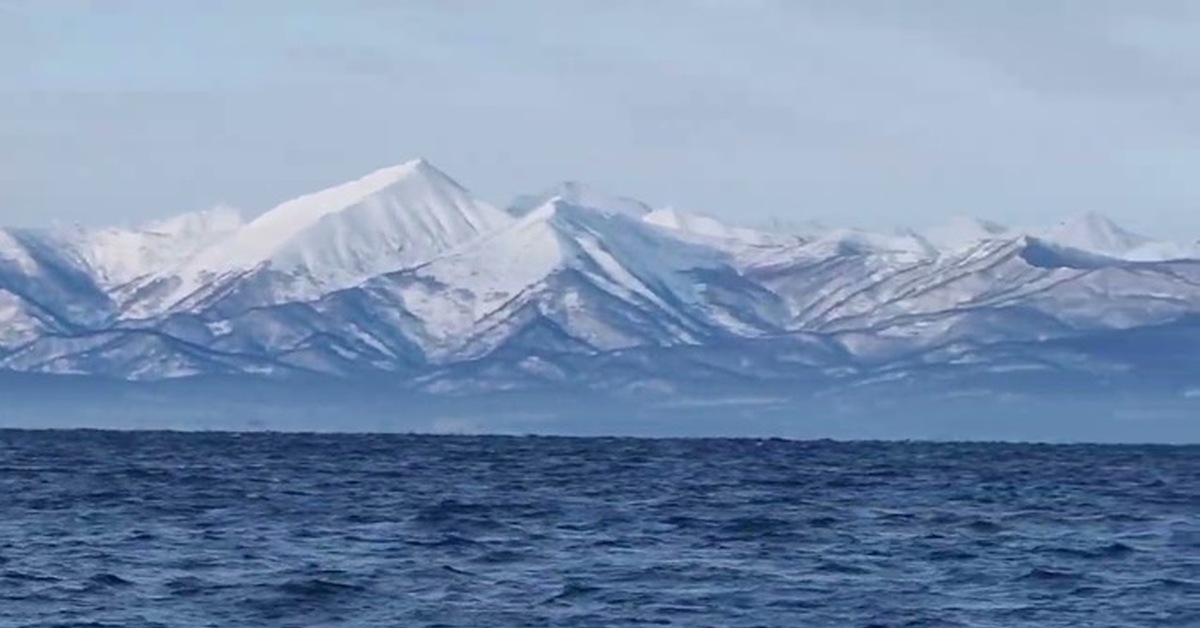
(404, 274)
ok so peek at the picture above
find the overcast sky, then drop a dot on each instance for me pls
(873, 114)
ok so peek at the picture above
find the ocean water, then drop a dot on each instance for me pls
(161, 529)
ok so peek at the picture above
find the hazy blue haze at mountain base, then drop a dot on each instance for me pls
(144, 530)
(1067, 415)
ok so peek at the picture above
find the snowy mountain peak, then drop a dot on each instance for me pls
(582, 195)
(117, 256)
(220, 219)
(715, 232)
(413, 196)
(414, 180)
(388, 220)
(403, 272)
(961, 232)
(698, 224)
(1095, 233)
(554, 259)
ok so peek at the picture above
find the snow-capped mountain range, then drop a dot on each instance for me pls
(404, 275)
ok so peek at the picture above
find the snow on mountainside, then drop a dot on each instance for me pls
(604, 279)
(119, 256)
(1000, 290)
(960, 233)
(745, 244)
(44, 289)
(1095, 233)
(404, 273)
(580, 195)
(385, 220)
(391, 219)
(889, 250)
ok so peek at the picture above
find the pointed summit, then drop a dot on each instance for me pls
(390, 219)
(419, 167)
(589, 252)
(1095, 233)
(413, 197)
(582, 195)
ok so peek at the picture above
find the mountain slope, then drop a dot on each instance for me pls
(1095, 233)
(606, 280)
(1000, 290)
(391, 219)
(44, 288)
(745, 246)
(402, 277)
(117, 257)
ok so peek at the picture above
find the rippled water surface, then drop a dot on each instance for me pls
(155, 529)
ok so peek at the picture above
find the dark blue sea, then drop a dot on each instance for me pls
(169, 529)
